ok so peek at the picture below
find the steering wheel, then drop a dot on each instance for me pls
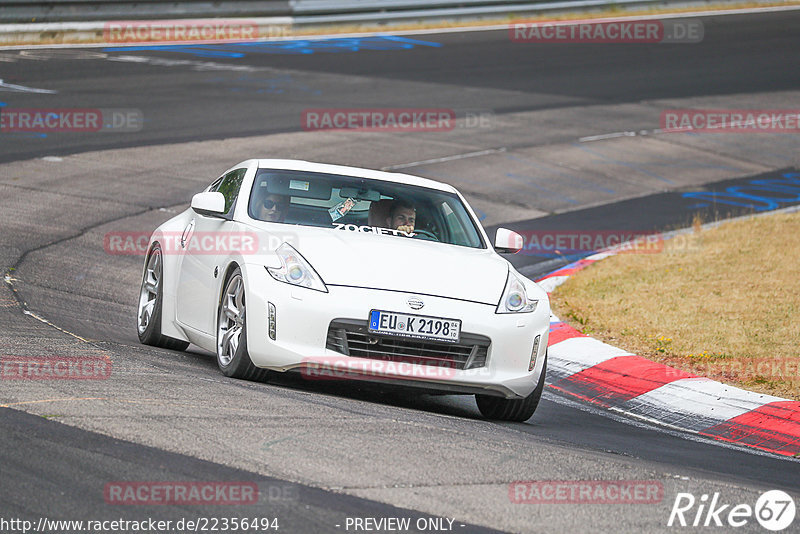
(426, 234)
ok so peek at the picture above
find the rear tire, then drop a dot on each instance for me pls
(232, 356)
(150, 299)
(519, 410)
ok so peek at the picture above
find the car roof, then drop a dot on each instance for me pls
(395, 177)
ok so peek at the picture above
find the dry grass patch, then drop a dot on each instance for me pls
(726, 306)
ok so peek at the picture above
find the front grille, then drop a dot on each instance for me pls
(352, 338)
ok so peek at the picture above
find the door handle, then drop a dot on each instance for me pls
(186, 233)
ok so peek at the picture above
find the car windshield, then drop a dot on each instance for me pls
(353, 204)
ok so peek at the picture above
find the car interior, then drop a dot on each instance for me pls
(315, 197)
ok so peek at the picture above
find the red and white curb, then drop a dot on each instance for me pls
(609, 377)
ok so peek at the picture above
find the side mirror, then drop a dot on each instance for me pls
(506, 241)
(209, 203)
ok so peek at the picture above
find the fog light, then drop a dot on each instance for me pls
(272, 321)
(533, 353)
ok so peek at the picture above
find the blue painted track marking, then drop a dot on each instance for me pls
(764, 194)
(293, 47)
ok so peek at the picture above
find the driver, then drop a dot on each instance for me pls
(273, 208)
(402, 216)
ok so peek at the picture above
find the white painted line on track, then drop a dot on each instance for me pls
(685, 129)
(445, 158)
(605, 136)
(23, 89)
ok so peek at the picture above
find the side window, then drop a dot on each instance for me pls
(213, 187)
(455, 226)
(229, 187)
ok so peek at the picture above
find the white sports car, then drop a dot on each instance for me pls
(341, 272)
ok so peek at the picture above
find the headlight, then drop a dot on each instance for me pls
(515, 298)
(295, 270)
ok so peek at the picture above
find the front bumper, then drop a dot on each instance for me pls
(303, 318)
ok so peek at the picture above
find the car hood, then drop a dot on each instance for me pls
(403, 264)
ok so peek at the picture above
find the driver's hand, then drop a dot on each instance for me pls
(407, 228)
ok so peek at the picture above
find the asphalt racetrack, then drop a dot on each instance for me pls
(549, 138)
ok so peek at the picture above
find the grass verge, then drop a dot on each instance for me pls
(722, 303)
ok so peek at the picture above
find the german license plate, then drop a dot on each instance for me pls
(416, 326)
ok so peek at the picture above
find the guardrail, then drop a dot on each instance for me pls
(25, 22)
(322, 7)
(467, 10)
(303, 11)
(91, 10)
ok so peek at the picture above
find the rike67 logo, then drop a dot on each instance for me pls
(774, 510)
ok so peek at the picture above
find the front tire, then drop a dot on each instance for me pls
(518, 410)
(151, 296)
(232, 356)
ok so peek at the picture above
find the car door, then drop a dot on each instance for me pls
(196, 293)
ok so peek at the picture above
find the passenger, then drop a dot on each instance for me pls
(273, 208)
(379, 211)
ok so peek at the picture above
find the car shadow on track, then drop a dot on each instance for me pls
(390, 394)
